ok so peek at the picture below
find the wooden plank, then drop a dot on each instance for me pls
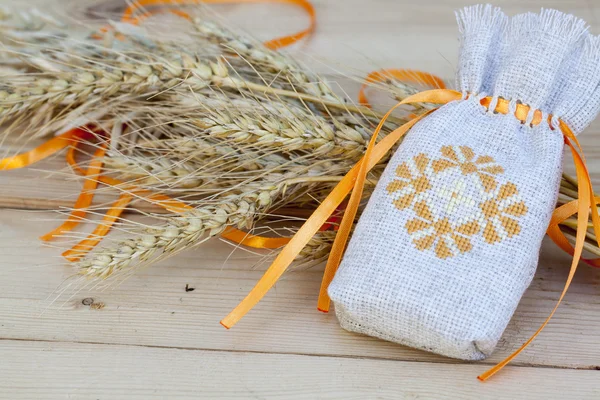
(152, 308)
(46, 370)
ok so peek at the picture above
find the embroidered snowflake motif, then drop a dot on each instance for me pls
(413, 181)
(439, 233)
(455, 199)
(501, 214)
(484, 167)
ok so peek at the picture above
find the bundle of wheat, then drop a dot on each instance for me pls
(236, 132)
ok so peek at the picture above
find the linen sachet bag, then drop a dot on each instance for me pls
(449, 240)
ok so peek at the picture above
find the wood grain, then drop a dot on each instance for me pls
(152, 308)
(149, 338)
(89, 371)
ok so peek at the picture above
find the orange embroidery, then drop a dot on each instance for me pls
(454, 199)
(413, 180)
(439, 233)
(484, 166)
(501, 212)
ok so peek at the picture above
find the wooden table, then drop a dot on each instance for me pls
(150, 338)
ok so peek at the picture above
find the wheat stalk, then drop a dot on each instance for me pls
(232, 128)
(282, 68)
(283, 125)
(239, 210)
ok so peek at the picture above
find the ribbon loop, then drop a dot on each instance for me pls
(331, 202)
(402, 75)
(132, 16)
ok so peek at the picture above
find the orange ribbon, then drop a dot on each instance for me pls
(558, 237)
(250, 240)
(92, 174)
(85, 196)
(111, 216)
(41, 152)
(402, 75)
(354, 181)
(113, 213)
(274, 44)
(72, 139)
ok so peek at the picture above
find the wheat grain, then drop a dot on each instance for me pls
(247, 133)
(284, 69)
(287, 126)
(178, 232)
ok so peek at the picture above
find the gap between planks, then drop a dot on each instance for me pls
(152, 308)
(483, 364)
(108, 371)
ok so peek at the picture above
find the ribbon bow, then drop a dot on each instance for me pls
(354, 181)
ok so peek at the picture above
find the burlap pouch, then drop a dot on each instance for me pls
(450, 238)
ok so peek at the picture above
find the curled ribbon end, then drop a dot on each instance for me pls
(224, 325)
(69, 256)
(324, 302)
(47, 237)
(496, 368)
